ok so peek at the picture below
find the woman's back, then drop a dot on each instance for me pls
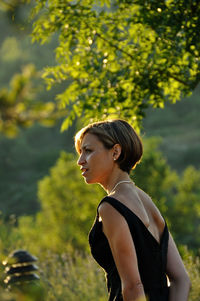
(141, 204)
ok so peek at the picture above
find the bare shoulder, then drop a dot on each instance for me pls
(107, 211)
(112, 220)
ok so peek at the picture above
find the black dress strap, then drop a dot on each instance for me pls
(114, 203)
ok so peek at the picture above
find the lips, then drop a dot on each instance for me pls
(84, 170)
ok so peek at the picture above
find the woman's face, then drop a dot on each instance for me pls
(95, 160)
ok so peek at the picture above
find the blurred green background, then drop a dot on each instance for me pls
(45, 206)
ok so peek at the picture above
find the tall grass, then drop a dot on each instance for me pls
(193, 267)
(78, 278)
(73, 279)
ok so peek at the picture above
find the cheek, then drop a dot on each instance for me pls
(100, 159)
(89, 157)
(106, 162)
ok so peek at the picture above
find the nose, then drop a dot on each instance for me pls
(81, 160)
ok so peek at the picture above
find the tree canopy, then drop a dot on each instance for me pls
(19, 106)
(120, 57)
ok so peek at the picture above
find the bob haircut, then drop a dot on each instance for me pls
(111, 132)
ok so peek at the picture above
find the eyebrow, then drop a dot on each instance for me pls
(85, 146)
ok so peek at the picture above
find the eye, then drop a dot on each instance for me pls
(87, 150)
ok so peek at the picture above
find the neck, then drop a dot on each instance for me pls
(120, 179)
(115, 177)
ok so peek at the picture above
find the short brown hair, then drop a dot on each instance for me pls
(111, 132)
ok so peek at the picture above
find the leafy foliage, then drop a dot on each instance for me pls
(119, 57)
(10, 5)
(18, 105)
(24, 100)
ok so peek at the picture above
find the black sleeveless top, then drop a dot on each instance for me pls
(151, 255)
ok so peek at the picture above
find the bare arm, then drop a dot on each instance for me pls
(179, 280)
(118, 234)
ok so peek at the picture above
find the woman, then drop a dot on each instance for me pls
(129, 237)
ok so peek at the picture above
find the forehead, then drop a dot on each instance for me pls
(90, 139)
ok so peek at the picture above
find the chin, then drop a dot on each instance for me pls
(90, 181)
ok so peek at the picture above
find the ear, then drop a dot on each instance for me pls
(116, 151)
